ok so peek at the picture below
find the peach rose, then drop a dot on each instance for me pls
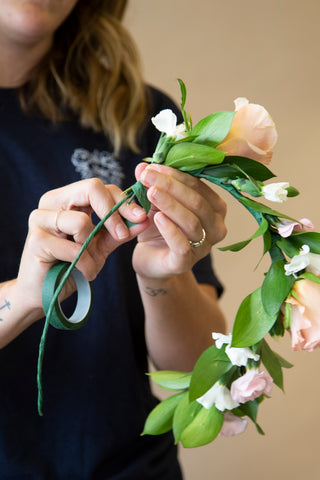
(253, 133)
(305, 324)
(250, 386)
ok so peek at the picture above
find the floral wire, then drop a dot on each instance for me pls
(129, 197)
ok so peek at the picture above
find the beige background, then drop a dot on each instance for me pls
(268, 52)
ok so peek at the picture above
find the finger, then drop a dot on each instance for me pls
(169, 195)
(101, 198)
(183, 205)
(49, 248)
(194, 183)
(63, 223)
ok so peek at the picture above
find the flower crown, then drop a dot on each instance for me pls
(235, 374)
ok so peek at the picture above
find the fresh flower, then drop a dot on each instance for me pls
(218, 395)
(253, 133)
(276, 192)
(237, 356)
(305, 260)
(250, 386)
(232, 425)
(166, 122)
(287, 227)
(305, 311)
(314, 264)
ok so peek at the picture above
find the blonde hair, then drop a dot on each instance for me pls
(93, 71)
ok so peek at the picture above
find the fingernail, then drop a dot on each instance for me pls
(156, 194)
(121, 231)
(161, 218)
(148, 177)
(138, 212)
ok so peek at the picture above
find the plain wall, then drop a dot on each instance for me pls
(269, 53)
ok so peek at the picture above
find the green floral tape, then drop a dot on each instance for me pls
(84, 300)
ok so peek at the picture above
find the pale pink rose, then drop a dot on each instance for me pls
(233, 425)
(286, 228)
(305, 325)
(253, 133)
(250, 386)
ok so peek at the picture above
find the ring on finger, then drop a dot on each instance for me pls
(57, 229)
(201, 241)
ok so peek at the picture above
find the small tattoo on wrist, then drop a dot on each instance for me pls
(6, 304)
(154, 292)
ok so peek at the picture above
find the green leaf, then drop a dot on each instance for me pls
(287, 318)
(187, 156)
(276, 287)
(210, 366)
(160, 418)
(267, 242)
(183, 91)
(310, 276)
(171, 380)
(213, 129)
(183, 416)
(272, 364)
(235, 247)
(140, 192)
(239, 245)
(251, 167)
(204, 428)
(259, 207)
(287, 246)
(250, 409)
(284, 363)
(219, 171)
(238, 167)
(247, 185)
(307, 238)
(252, 322)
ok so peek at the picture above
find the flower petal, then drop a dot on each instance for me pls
(165, 121)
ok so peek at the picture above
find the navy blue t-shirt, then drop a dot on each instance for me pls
(96, 392)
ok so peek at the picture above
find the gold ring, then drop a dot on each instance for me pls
(197, 244)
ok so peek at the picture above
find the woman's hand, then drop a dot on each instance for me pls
(183, 208)
(61, 224)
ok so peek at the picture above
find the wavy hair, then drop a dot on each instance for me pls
(92, 71)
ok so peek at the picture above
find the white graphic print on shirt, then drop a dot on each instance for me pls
(97, 164)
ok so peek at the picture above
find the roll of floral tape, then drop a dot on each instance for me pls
(84, 301)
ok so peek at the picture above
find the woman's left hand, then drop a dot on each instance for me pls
(184, 210)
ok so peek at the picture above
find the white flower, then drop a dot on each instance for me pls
(220, 396)
(298, 262)
(305, 260)
(166, 122)
(237, 356)
(276, 192)
(314, 265)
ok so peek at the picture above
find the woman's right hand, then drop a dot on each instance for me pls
(59, 227)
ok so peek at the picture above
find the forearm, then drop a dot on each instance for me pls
(15, 312)
(180, 317)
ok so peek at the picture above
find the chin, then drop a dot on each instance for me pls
(32, 20)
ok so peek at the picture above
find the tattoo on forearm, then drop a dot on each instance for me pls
(154, 292)
(6, 304)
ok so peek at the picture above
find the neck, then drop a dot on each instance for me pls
(17, 62)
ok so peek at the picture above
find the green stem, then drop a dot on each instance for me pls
(129, 196)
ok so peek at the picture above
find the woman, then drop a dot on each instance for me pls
(74, 107)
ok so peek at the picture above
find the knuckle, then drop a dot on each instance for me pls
(82, 221)
(196, 202)
(43, 199)
(32, 221)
